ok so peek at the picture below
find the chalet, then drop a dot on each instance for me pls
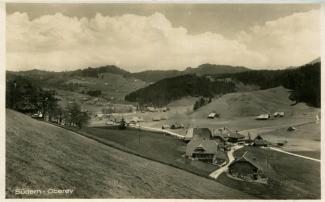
(291, 128)
(37, 115)
(260, 142)
(213, 115)
(248, 167)
(263, 117)
(228, 135)
(203, 148)
(165, 126)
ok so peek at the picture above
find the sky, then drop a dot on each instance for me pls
(137, 37)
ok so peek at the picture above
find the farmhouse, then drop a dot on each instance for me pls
(248, 167)
(278, 114)
(263, 117)
(228, 135)
(203, 148)
(260, 142)
(213, 115)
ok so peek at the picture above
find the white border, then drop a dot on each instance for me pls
(2, 79)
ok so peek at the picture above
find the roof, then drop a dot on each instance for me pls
(227, 133)
(201, 137)
(189, 134)
(209, 146)
(260, 141)
(202, 133)
(258, 158)
(248, 157)
(263, 116)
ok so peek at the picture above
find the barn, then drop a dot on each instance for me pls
(202, 147)
(260, 142)
(248, 167)
(263, 117)
(228, 135)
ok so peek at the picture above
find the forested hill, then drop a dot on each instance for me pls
(167, 90)
(204, 69)
(304, 81)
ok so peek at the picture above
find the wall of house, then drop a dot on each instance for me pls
(242, 169)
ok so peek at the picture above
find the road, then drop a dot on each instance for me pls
(158, 130)
(293, 154)
(215, 174)
(268, 128)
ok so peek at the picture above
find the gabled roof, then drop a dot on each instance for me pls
(248, 157)
(209, 146)
(202, 133)
(260, 141)
(227, 133)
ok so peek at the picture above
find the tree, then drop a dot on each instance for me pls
(122, 124)
(196, 105)
(74, 116)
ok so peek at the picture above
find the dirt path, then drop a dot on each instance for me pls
(159, 130)
(215, 174)
(293, 154)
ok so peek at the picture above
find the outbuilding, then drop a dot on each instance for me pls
(247, 167)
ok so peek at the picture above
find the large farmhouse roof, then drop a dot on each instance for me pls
(249, 157)
(258, 160)
(201, 138)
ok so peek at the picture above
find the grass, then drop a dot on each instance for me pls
(293, 178)
(43, 156)
(159, 147)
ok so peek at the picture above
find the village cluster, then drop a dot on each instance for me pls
(217, 146)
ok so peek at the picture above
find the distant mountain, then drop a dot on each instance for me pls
(94, 72)
(211, 69)
(204, 69)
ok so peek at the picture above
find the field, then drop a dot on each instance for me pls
(238, 111)
(43, 156)
(166, 149)
(292, 177)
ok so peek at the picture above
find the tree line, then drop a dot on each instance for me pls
(170, 89)
(23, 96)
(304, 81)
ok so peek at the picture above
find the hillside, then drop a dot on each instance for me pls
(243, 104)
(42, 156)
(167, 90)
(304, 82)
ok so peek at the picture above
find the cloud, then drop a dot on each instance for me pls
(289, 41)
(58, 42)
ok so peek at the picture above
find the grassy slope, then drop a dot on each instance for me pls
(252, 104)
(166, 149)
(42, 156)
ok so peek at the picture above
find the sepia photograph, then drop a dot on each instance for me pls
(163, 100)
